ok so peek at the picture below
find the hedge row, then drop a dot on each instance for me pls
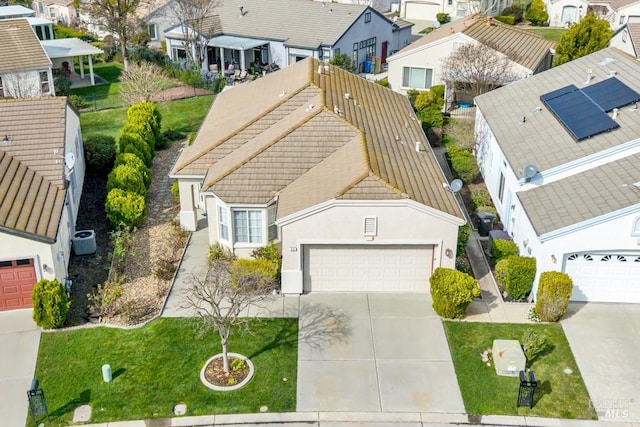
(129, 181)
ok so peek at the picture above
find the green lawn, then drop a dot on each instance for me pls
(552, 34)
(103, 95)
(158, 365)
(558, 395)
(184, 115)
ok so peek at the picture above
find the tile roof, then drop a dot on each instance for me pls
(523, 47)
(584, 196)
(294, 133)
(542, 140)
(20, 48)
(618, 4)
(32, 188)
(634, 35)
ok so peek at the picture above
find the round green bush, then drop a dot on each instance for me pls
(501, 248)
(463, 238)
(132, 143)
(552, 297)
(452, 291)
(99, 152)
(127, 178)
(146, 112)
(517, 274)
(50, 304)
(143, 130)
(125, 209)
(135, 162)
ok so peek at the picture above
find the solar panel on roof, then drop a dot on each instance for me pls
(611, 93)
(558, 92)
(579, 114)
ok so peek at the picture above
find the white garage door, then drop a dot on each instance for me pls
(422, 11)
(366, 268)
(604, 277)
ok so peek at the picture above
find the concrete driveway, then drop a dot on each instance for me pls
(605, 340)
(374, 353)
(19, 338)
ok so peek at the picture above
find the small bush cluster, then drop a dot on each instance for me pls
(516, 11)
(50, 303)
(190, 73)
(463, 163)
(442, 18)
(272, 255)
(552, 298)
(254, 271)
(533, 345)
(506, 19)
(487, 209)
(452, 291)
(175, 191)
(480, 197)
(129, 181)
(463, 238)
(501, 248)
(219, 252)
(517, 274)
(428, 106)
(99, 152)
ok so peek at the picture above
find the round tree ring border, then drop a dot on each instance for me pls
(231, 387)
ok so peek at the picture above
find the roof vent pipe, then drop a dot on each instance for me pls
(615, 114)
(418, 146)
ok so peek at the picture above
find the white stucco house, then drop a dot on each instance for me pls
(39, 193)
(419, 65)
(563, 13)
(59, 11)
(334, 169)
(259, 32)
(426, 11)
(560, 155)
(627, 39)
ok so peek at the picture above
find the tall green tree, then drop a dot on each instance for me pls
(589, 35)
(537, 13)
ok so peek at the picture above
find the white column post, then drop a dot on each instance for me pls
(93, 80)
(81, 67)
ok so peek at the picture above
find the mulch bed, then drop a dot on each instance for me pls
(214, 373)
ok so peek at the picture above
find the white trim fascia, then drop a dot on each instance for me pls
(360, 242)
(586, 163)
(178, 177)
(369, 203)
(589, 223)
(430, 45)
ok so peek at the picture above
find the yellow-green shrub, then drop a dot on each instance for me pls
(50, 303)
(517, 274)
(552, 298)
(125, 208)
(452, 291)
(137, 163)
(126, 177)
(501, 248)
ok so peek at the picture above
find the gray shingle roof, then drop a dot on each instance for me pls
(32, 187)
(20, 48)
(294, 133)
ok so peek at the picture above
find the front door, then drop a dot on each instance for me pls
(384, 52)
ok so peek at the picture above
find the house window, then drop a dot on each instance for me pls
(152, 31)
(44, 82)
(271, 222)
(223, 222)
(370, 226)
(40, 7)
(1, 88)
(635, 231)
(367, 17)
(52, 12)
(621, 19)
(325, 53)
(371, 46)
(336, 52)
(624, 36)
(501, 187)
(449, 2)
(417, 78)
(355, 54)
(247, 226)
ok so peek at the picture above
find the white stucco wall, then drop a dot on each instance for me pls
(629, 13)
(26, 84)
(622, 41)
(74, 144)
(399, 222)
(555, 11)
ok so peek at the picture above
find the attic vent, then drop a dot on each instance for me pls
(371, 226)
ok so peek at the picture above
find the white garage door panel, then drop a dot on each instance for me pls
(365, 268)
(604, 277)
(423, 11)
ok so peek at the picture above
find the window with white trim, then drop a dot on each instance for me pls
(153, 33)
(367, 17)
(272, 229)
(247, 226)
(223, 223)
(417, 78)
(635, 231)
(52, 12)
(44, 82)
(370, 226)
(1, 88)
(501, 187)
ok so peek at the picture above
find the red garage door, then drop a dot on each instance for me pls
(17, 278)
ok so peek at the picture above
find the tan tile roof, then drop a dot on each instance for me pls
(31, 176)
(634, 35)
(281, 134)
(523, 47)
(617, 4)
(583, 196)
(20, 48)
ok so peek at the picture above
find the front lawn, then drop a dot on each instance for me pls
(158, 365)
(552, 34)
(558, 395)
(184, 115)
(106, 95)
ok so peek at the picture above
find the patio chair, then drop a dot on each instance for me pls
(236, 75)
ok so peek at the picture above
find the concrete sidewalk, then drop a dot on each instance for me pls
(20, 338)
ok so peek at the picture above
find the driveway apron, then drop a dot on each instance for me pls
(605, 341)
(374, 353)
(20, 338)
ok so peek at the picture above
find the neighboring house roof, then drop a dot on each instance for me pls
(522, 47)
(32, 185)
(295, 134)
(634, 35)
(322, 23)
(619, 4)
(20, 48)
(16, 10)
(64, 48)
(541, 140)
(584, 196)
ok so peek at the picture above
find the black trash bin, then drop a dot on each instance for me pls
(486, 223)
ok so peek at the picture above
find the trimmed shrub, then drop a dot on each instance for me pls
(127, 178)
(452, 291)
(501, 248)
(514, 10)
(99, 152)
(219, 252)
(135, 162)
(125, 209)
(147, 112)
(133, 143)
(488, 209)
(537, 13)
(142, 129)
(517, 273)
(258, 270)
(383, 82)
(463, 163)
(271, 254)
(533, 345)
(506, 19)
(463, 265)
(463, 238)
(480, 197)
(442, 18)
(552, 298)
(175, 191)
(50, 304)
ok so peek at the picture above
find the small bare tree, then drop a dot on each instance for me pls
(141, 83)
(462, 131)
(478, 68)
(223, 293)
(198, 25)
